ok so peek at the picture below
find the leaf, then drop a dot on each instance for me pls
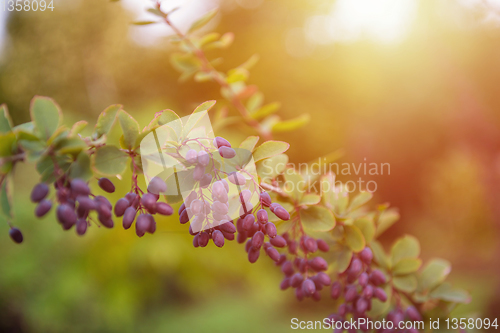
(77, 127)
(265, 111)
(46, 116)
(109, 160)
(309, 199)
(72, 146)
(144, 22)
(249, 143)
(291, 124)
(81, 167)
(434, 273)
(294, 184)
(7, 144)
(367, 228)
(359, 200)
(202, 21)
(446, 293)
(205, 106)
(406, 266)
(406, 283)
(317, 218)
(236, 75)
(340, 258)
(5, 120)
(269, 149)
(271, 167)
(405, 247)
(156, 11)
(130, 129)
(379, 254)
(385, 220)
(250, 62)
(208, 38)
(196, 117)
(354, 238)
(105, 121)
(6, 195)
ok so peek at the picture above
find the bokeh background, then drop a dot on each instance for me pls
(406, 82)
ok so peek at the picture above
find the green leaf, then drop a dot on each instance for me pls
(291, 124)
(202, 21)
(265, 111)
(271, 167)
(434, 273)
(208, 38)
(367, 228)
(270, 149)
(105, 121)
(5, 120)
(81, 167)
(385, 220)
(405, 247)
(236, 75)
(77, 127)
(294, 184)
(46, 116)
(144, 22)
(156, 11)
(354, 238)
(340, 257)
(379, 254)
(130, 129)
(406, 283)
(250, 62)
(446, 293)
(6, 197)
(7, 144)
(406, 266)
(205, 106)
(185, 62)
(109, 160)
(309, 199)
(72, 146)
(317, 218)
(359, 200)
(249, 143)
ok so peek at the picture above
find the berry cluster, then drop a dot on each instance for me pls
(306, 275)
(75, 202)
(146, 204)
(358, 285)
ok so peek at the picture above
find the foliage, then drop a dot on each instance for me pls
(327, 214)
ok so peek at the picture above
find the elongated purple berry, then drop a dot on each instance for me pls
(106, 185)
(39, 192)
(16, 235)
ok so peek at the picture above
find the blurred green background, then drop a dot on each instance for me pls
(421, 94)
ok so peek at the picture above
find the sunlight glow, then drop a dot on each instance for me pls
(383, 20)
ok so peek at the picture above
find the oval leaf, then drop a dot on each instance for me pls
(270, 149)
(109, 160)
(105, 121)
(407, 266)
(434, 273)
(46, 116)
(130, 129)
(317, 218)
(5, 120)
(403, 248)
(405, 283)
(354, 238)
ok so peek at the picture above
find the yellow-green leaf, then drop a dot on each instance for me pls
(266, 110)
(405, 247)
(77, 127)
(354, 238)
(309, 199)
(46, 116)
(81, 167)
(385, 220)
(379, 254)
(202, 21)
(317, 218)
(360, 199)
(269, 149)
(271, 167)
(291, 124)
(130, 129)
(105, 121)
(446, 293)
(434, 273)
(249, 143)
(5, 120)
(367, 227)
(406, 283)
(109, 160)
(406, 266)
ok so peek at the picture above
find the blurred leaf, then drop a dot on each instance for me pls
(294, 184)
(202, 77)
(225, 41)
(34, 149)
(7, 144)
(386, 219)
(250, 62)
(359, 200)
(269, 149)
(317, 218)
(46, 166)
(205, 106)
(130, 129)
(406, 266)
(237, 74)
(185, 62)
(255, 101)
(77, 127)
(446, 293)
(46, 116)
(367, 228)
(6, 196)
(72, 146)
(109, 160)
(405, 247)
(354, 238)
(434, 273)
(5, 120)
(208, 38)
(144, 22)
(271, 167)
(202, 21)
(249, 143)
(265, 111)
(309, 199)
(379, 254)
(155, 11)
(340, 258)
(105, 121)
(81, 167)
(291, 124)
(406, 283)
